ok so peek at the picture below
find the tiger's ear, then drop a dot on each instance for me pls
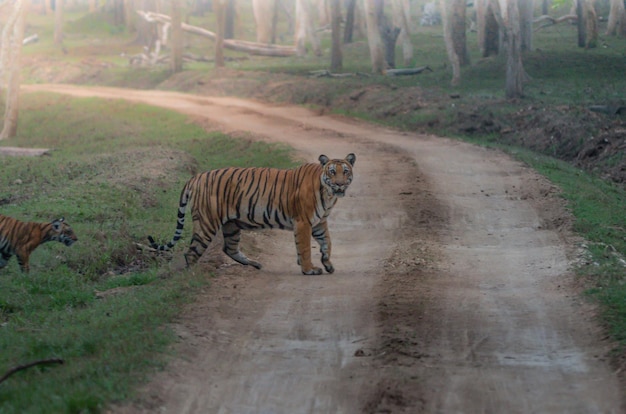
(323, 159)
(351, 158)
(56, 224)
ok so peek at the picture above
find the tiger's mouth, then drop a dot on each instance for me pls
(68, 242)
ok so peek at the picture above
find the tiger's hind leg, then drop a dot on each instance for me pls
(232, 236)
(200, 240)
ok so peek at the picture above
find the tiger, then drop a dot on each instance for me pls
(21, 238)
(232, 199)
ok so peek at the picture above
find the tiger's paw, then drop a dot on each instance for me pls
(254, 264)
(329, 267)
(312, 271)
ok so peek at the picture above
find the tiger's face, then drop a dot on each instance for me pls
(62, 232)
(337, 173)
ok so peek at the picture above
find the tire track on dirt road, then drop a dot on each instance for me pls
(452, 291)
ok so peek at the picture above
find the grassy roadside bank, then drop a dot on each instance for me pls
(102, 305)
(117, 169)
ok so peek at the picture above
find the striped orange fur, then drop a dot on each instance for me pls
(21, 238)
(234, 199)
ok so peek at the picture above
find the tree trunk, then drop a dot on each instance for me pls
(374, 40)
(58, 22)
(12, 37)
(117, 8)
(515, 75)
(336, 56)
(526, 23)
(219, 8)
(402, 17)
(616, 25)
(453, 14)
(305, 28)
(487, 28)
(130, 21)
(176, 45)
(264, 18)
(323, 12)
(591, 24)
(147, 33)
(580, 22)
(348, 30)
(229, 22)
(389, 34)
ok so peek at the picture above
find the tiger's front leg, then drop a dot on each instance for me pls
(4, 259)
(22, 260)
(321, 235)
(302, 234)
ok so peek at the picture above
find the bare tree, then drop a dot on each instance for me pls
(374, 39)
(229, 19)
(617, 19)
(219, 8)
(129, 17)
(515, 74)
(10, 52)
(454, 16)
(58, 22)
(590, 18)
(487, 29)
(264, 12)
(305, 28)
(348, 30)
(336, 56)
(401, 18)
(587, 21)
(509, 21)
(147, 33)
(526, 23)
(176, 44)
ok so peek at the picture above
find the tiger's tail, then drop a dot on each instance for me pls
(180, 222)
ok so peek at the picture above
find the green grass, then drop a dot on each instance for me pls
(115, 175)
(100, 154)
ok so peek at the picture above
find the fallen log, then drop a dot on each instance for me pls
(608, 109)
(24, 152)
(253, 48)
(325, 73)
(409, 71)
(30, 39)
(554, 20)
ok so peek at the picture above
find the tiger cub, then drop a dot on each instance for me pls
(21, 238)
(235, 199)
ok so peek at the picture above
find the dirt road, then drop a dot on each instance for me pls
(451, 292)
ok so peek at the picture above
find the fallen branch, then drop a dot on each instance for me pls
(24, 152)
(608, 109)
(29, 365)
(30, 39)
(554, 20)
(143, 59)
(252, 48)
(324, 73)
(404, 72)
